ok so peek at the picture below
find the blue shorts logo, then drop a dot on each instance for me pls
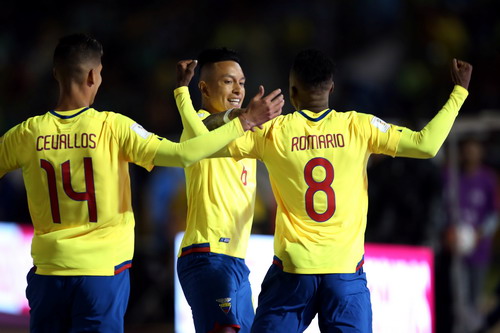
(224, 304)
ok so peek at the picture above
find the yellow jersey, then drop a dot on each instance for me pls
(220, 199)
(75, 170)
(317, 165)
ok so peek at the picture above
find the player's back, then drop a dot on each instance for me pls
(75, 169)
(317, 166)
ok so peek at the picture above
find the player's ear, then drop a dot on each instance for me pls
(203, 89)
(293, 91)
(332, 88)
(91, 77)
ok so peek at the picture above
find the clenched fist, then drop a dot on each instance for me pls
(461, 72)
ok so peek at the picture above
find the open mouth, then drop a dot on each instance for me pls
(234, 101)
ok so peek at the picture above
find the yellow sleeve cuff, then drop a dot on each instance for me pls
(180, 90)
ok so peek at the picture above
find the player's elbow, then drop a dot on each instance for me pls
(429, 152)
(169, 160)
(427, 147)
(184, 162)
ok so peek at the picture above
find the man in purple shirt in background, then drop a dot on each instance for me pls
(471, 227)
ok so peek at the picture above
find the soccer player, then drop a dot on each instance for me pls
(317, 159)
(221, 196)
(74, 161)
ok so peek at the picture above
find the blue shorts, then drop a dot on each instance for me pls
(288, 302)
(77, 303)
(216, 287)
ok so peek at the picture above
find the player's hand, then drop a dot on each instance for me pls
(461, 72)
(262, 109)
(185, 71)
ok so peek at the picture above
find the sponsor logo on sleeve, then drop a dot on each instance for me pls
(140, 130)
(380, 124)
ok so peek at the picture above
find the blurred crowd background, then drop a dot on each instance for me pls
(393, 59)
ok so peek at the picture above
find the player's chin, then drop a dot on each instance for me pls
(233, 106)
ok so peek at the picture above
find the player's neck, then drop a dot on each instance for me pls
(72, 99)
(311, 100)
(314, 106)
(207, 107)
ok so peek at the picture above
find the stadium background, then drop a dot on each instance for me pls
(393, 61)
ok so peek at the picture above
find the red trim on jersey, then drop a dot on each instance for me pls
(277, 261)
(218, 327)
(122, 268)
(360, 264)
(195, 249)
(202, 247)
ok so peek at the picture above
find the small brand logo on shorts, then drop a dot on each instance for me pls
(224, 304)
(224, 240)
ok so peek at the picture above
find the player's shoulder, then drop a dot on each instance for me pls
(329, 114)
(29, 124)
(104, 114)
(283, 119)
(356, 117)
(351, 115)
(111, 117)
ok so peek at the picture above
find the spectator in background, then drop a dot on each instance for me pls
(472, 222)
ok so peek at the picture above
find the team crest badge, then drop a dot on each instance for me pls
(224, 304)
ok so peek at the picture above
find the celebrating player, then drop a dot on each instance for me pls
(75, 167)
(221, 198)
(317, 159)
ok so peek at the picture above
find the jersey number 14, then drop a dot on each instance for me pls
(88, 195)
(314, 186)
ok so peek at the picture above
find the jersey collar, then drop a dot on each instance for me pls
(325, 113)
(69, 116)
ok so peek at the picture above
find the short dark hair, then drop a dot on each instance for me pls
(210, 56)
(313, 68)
(74, 50)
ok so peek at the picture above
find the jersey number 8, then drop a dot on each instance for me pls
(315, 186)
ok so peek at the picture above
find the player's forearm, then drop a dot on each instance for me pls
(190, 121)
(188, 152)
(427, 142)
(224, 152)
(216, 120)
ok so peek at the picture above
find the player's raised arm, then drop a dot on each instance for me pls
(427, 142)
(190, 120)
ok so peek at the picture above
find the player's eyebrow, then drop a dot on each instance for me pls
(233, 77)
